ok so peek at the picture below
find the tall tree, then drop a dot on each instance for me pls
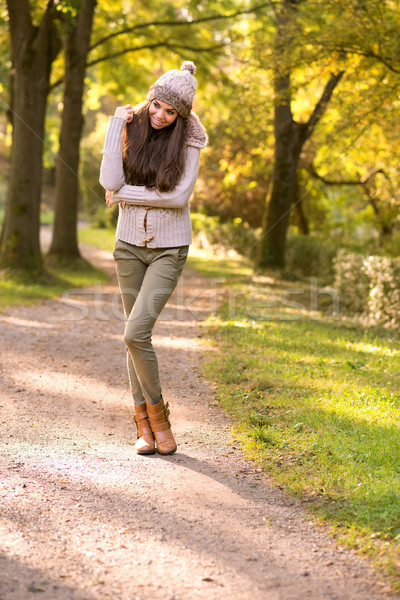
(290, 137)
(33, 49)
(78, 32)
(354, 133)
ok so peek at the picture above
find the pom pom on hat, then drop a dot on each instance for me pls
(188, 65)
(176, 88)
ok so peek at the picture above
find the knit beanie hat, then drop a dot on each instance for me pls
(176, 88)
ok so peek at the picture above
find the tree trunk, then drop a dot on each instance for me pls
(297, 202)
(64, 240)
(33, 51)
(273, 243)
(272, 252)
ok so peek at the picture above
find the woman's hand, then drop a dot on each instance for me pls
(109, 199)
(125, 112)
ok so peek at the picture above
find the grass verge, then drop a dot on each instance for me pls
(15, 290)
(97, 237)
(315, 400)
(61, 275)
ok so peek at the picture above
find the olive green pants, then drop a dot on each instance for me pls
(147, 277)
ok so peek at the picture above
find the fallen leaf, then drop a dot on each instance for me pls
(32, 588)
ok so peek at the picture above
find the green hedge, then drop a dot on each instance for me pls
(369, 286)
(351, 282)
(307, 256)
(384, 290)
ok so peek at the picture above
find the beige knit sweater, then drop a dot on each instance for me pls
(168, 217)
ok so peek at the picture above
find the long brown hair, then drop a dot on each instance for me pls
(151, 157)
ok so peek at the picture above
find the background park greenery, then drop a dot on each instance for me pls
(301, 102)
(300, 99)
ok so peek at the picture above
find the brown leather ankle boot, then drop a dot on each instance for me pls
(161, 427)
(145, 442)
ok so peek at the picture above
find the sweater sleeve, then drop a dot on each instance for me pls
(177, 198)
(111, 171)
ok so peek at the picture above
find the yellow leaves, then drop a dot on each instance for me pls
(223, 164)
(229, 179)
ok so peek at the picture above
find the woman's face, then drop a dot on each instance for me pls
(161, 114)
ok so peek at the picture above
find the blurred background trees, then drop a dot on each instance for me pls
(300, 99)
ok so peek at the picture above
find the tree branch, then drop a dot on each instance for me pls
(367, 54)
(180, 23)
(150, 47)
(379, 58)
(43, 30)
(362, 181)
(47, 39)
(145, 47)
(320, 107)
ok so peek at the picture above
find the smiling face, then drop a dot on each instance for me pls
(161, 114)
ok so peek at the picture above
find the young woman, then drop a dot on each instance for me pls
(150, 165)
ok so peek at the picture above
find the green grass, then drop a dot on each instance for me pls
(316, 402)
(98, 238)
(60, 276)
(237, 270)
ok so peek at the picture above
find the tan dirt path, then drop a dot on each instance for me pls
(82, 517)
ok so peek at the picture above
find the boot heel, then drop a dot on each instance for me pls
(161, 427)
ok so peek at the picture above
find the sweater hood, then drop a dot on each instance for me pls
(196, 133)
